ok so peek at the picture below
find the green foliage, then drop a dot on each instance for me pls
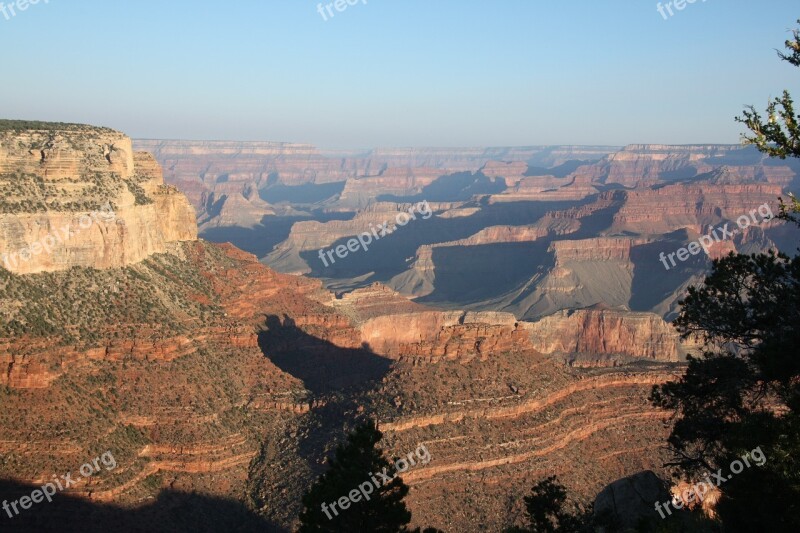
(354, 464)
(793, 46)
(746, 300)
(790, 210)
(745, 392)
(779, 135)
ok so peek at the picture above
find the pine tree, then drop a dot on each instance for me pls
(353, 472)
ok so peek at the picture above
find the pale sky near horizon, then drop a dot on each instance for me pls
(399, 72)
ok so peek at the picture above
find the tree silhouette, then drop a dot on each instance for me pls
(545, 508)
(366, 506)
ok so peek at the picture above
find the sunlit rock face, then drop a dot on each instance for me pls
(80, 196)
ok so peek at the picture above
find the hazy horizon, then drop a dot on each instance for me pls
(416, 74)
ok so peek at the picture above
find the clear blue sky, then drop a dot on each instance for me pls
(398, 72)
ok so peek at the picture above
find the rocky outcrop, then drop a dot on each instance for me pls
(547, 189)
(314, 235)
(237, 205)
(374, 301)
(399, 181)
(82, 197)
(546, 227)
(511, 171)
(629, 501)
(596, 336)
(434, 335)
(692, 206)
(60, 154)
(596, 249)
(419, 279)
(640, 164)
(578, 274)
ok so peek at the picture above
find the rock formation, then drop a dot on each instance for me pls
(203, 371)
(82, 197)
(629, 501)
(595, 336)
(672, 207)
(643, 164)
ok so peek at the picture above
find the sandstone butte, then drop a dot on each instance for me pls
(208, 374)
(95, 167)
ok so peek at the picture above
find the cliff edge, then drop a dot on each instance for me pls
(74, 195)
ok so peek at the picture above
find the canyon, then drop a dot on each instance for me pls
(205, 372)
(517, 333)
(522, 207)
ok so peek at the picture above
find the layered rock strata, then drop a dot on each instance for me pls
(84, 198)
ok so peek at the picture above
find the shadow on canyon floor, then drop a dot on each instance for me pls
(340, 381)
(392, 254)
(272, 230)
(323, 367)
(171, 512)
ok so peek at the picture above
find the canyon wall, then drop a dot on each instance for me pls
(208, 373)
(197, 167)
(647, 164)
(691, 206)
(435, 335)
(594, 336)
(82, 197)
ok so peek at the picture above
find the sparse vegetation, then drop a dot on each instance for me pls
(138, 193)
(30, 193)
(85, 305)
(17, 126)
